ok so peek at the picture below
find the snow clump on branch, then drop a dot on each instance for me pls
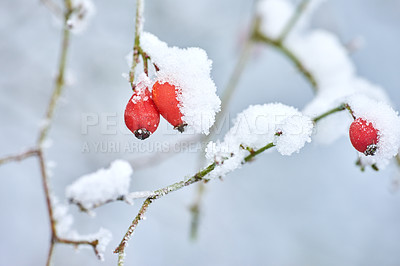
(104, 185)
(283, 126)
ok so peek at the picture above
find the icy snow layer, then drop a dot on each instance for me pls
(103, 185)
(385, 120)
(189, 70)
(83, 11)
(64, 221)
(255, 127)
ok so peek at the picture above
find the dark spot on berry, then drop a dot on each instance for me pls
(142, 133)
(181, 127)
(371, 150)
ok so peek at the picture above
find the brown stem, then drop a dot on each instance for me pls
(19, 157)
(46, 188)
(157, 194)
(50, 253)
(76, 243)
(59, 85)
(136, 46)
(329, 112)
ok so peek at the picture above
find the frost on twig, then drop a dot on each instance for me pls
(102, 186)
(256, 126)
(63, 220)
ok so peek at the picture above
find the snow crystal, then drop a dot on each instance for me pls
(255, 127)
(189, 70)
(385, 120)
(83, 10)
(103, 185)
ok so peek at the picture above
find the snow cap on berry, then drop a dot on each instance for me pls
(255, 127)
(189, 71)
(142, 83)
(385, 120)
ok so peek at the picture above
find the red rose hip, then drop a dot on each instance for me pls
(141, 114)
(165, 98)
(363, 136)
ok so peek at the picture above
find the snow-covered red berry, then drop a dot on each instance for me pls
(141, 114)
(165, 98)
(364, 136)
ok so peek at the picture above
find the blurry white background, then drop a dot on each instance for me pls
(312, 208)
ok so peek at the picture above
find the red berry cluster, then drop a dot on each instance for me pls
(142, 113)
(364, 136)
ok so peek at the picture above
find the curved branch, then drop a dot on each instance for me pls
(59, 85)
(258, 36)
(158, 194)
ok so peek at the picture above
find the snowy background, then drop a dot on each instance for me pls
(312, 208)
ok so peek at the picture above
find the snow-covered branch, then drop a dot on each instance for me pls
(205, 174)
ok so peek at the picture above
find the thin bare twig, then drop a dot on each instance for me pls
(158, 194)
(93, 244)
(129, 198)
(136, 46)
(46, 188)
(50, 253)
(19, 157)
(59, 85)
(334, 110)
